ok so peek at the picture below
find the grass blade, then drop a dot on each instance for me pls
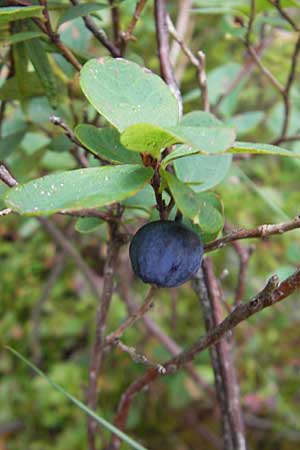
(80, 405)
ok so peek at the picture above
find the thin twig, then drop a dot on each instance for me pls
(146, 306)
(5, 212)
(2, 112)
(244, 254)
(197, 61)
(251, 50)
(55, 38)
(245, 71)
(128, 34)
(182, 25)
(162, 36)
(113, 247)
(292, 138)
(59, 122)
(202, 80)
(99, 34)
(284, 14)
(154, 329)
(261, 231)
(138, 357)
(115, 17)
(287, 89)
(264, 70)
(91, 213)
(250, 22)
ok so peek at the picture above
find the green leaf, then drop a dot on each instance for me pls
(12, 13)
(246, 122)
(81, 10)
(144, 199)
(31, 88)
(57, 161)
(34, 142)
(261, 149)
(200, 119)
(77, 189)
(60, 143)
(211, 218)
(79, 404)
(88, 224)
(144, 137)
(39, 59)
(23, 36)
(185, 198)
(152, 139)
(126, 94)
(202, 172)
(105, 142)
(9, 143)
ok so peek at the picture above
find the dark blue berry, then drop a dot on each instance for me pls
(165, 253)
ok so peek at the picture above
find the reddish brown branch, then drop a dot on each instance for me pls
(244, 254)
(197, 61)
(162, 36)
(227, 387)
(115, 18)
(287, 89)
(261, 231)
(146, 306)
(284, 14)
(55, 38)
(127, 35)
(101, 316)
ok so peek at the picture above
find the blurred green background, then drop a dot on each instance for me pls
(55, 329)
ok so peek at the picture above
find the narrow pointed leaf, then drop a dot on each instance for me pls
(261, 149)
(12, 13)
(23, 36)
(40, 61)
(77, 189)
(126, 93)
(81, 10)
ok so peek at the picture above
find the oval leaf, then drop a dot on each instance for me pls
(77, 189)
(105, 142)
(202, 172)
(125, 93)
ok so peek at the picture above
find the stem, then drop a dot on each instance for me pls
(101, 317)
(207, 289)
(162, 36)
